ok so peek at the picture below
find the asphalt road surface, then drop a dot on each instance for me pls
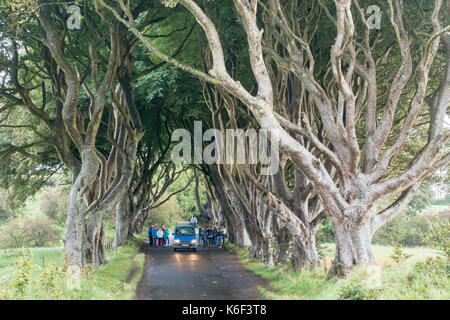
(207, 274)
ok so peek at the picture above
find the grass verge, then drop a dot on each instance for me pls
(424, 275)
(39, 273)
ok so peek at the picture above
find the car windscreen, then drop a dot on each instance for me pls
(185, 232)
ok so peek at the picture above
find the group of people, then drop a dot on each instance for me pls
(211, 236)
(193, 221)
(158, 237)
(207, 236)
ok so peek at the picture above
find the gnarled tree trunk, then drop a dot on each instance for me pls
(124, 217)
(304, 253)
(77, 204)
(353, 244)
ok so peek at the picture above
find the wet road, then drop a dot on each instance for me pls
(208, 274)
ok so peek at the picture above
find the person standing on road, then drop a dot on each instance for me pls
(210, 237)
(215, 236)
(224, 236)
(200, 236)
(205, 236)
(193, 221)
(160, 235)
(155, 230)
(163, 228)
(166, 236)
(150, 236)
(220, 237)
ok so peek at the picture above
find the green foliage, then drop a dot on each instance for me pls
(49, 277)
(170, 3)
(181, 206)
(28, 177)
(421, 200)
(166, 214)
(398, 255)
(186, 198)
(23, 279)
(5, 208)
(12, 235)
(438, 237)
(403, 230)
(22, 276)
(323, 250)
(420, 277)
(325, 233)
(23, 176)
(443, 202)
(437, 266)
(28, 233)
(40, 232)
(53, 204)
(18, 11)
(427, 277)
(356, 291)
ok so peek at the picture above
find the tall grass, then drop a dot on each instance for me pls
(424, 275)
(22, 275)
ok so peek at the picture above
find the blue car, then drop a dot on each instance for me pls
(184, 237)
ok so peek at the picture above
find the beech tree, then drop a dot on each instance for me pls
(72, 120)
(251, 220)
(254, 198)
(89, 122)
(153, 173)
(281, 40)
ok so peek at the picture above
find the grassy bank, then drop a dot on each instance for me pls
(421, 276)
(39, 273)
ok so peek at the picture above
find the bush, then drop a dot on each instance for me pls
(22, 275)
(439, 237)
(406, 231)
(421, 200)
(49, 278)
(12, 235)
(428, 277)
(166, 213)
(356, 291)
(325, 233)
(53, 204)
(28, 233)
(398, 255)
(40, 232)
(324, 250)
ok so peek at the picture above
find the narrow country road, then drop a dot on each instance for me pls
(208, 274)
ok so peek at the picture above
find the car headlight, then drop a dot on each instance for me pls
(194, 241)
(176, 241)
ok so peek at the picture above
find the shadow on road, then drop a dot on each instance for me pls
(208, 274)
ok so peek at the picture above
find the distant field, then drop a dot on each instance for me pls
(9, 257)
(434, 210)
(382, 254)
